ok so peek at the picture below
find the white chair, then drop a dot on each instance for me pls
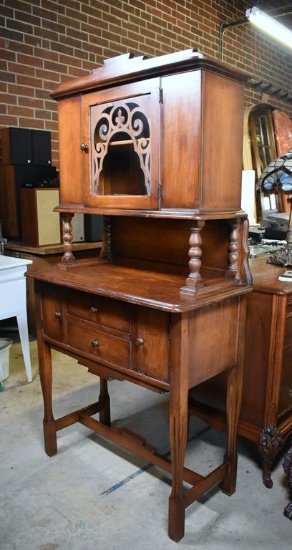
(13, 300)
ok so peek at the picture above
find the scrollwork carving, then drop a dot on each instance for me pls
(121, 121)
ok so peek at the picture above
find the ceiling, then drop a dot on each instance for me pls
(280, 9)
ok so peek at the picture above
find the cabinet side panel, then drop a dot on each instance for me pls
(180, 150)
(71, 156)
(222, 143)
(213, 336)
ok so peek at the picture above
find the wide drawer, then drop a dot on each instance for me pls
(102, 311)
(99, 344)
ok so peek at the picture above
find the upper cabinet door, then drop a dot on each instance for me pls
(121, 140)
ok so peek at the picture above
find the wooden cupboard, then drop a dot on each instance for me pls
(164, 306)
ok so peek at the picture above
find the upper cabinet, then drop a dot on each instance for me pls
(152, 134)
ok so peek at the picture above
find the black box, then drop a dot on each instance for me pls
(22, 146)
(93, 227)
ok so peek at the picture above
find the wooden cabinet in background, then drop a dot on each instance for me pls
(266, 411)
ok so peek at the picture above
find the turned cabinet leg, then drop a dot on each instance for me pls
(233, 398)
(270, 444)
(178, 427)
(49, 424)
(105, 413)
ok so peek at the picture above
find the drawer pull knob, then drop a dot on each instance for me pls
(93, 309)
(139, 342)
(84, 147)
(58, 314)
(95, 343)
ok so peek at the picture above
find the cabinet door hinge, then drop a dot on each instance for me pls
(160, 95)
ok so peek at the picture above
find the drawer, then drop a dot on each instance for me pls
(99, 344)
(151, 343)
(102, 311)
(52, 315)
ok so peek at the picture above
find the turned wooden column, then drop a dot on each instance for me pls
(68, 257)
(194, 280)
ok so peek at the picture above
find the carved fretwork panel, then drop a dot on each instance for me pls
(121, 141)
(123, 137)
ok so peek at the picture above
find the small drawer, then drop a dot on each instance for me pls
(100, 345)
(103, 311)
(52, 312)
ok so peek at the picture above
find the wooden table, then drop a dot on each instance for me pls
(136, 325)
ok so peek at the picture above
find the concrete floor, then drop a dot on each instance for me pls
(94, 496)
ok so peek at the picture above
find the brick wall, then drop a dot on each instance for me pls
(44, 42)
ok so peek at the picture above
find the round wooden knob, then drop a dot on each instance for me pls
(95, 343)
(84, 147)
(139, 342)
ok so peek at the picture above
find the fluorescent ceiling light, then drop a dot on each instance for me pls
(270, 25)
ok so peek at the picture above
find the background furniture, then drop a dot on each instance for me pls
(25, 160)
(52, 254)
(13, 300)
(287, 465)
(40, 225)
(266, 411)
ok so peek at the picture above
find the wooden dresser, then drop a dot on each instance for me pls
(266, 412)
(155, 146)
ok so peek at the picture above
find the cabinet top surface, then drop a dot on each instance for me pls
(128, 68)
(265, 277)
(142, 287)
